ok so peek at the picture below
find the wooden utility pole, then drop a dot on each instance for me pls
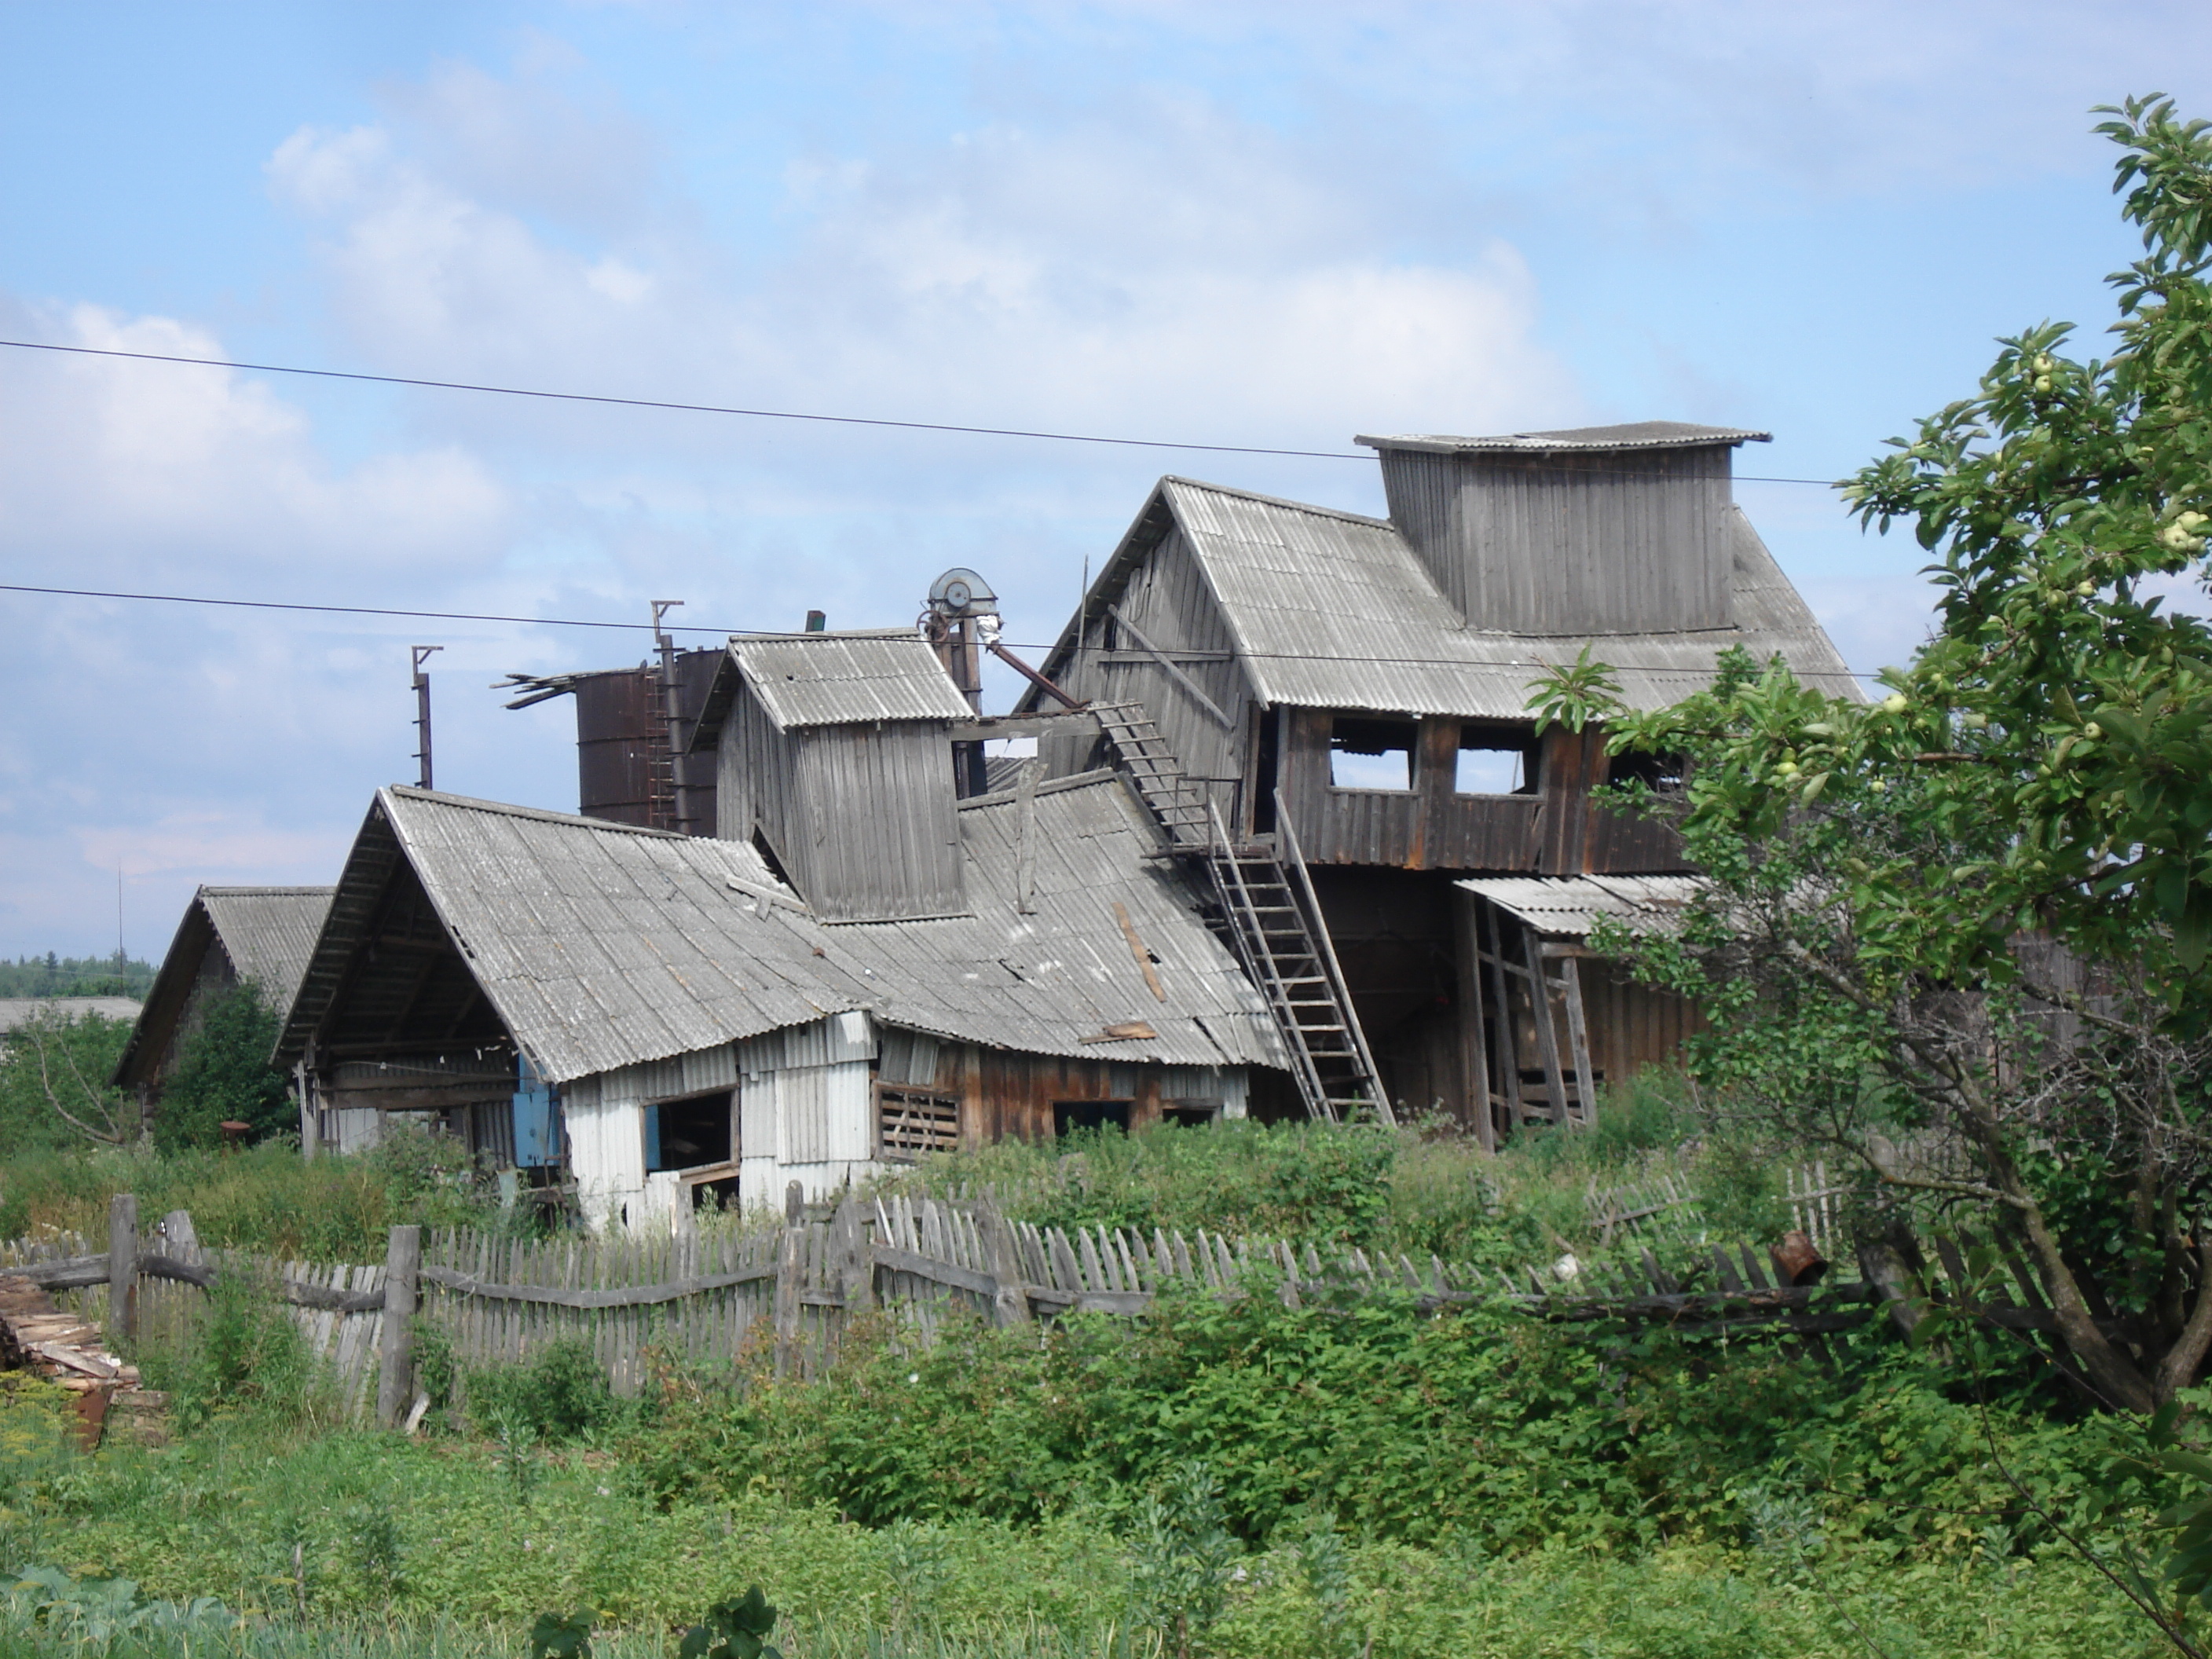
(421, 683)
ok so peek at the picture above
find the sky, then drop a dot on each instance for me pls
(1263, 225)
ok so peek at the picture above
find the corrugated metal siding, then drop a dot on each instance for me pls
(606, 1151)
(881, 837)
(823, 1112)
(695, 1073)
(757, 781)
(837, 679)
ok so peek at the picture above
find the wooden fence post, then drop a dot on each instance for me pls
(790, 1266)
(1010, 1302)
(395, 1382)
(123, 1265)
(856, 1259)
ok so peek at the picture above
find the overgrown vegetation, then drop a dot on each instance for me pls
(223, 1075)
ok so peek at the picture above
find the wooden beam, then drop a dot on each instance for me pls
(1547, 1035)
(1137, 949)
(1172, 670)
(1473, 1053)
(1571, 983)
(986, 728)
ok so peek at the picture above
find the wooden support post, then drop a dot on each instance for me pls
(1009, 1301)
(790, 1269)
(123, 1266)
(1547, 1035)
(395, 1378)
(1473, 1053)
(1509, 1049)
(1570, 984)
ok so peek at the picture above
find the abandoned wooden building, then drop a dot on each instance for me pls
(1353, 691)
(651, 1019)
(229, 936)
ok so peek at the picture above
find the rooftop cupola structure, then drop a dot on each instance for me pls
(835, 761)
(1597, 530)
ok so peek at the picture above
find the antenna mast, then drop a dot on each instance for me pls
(422, 708)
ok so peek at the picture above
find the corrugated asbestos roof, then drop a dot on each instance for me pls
(1571, 907)
(835, 679)
(268, 932)
(1332, 610)
(1636, 434)
(602, 946)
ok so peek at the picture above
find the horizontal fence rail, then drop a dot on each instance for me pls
(709, 1296)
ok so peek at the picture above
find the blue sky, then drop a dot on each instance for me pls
(1274, 225)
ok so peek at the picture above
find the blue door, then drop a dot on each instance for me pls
(537, 1119)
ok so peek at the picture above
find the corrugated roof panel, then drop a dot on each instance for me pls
(602, 946)
(269, 933)
(1571, 907)
(1333, 610)
(835, 679)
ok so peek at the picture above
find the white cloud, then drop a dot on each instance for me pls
(161, 469)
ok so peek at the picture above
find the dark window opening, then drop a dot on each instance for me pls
(1264, 787)
(1190, 1113)
(1660, 774)
(1069, 1116)
(768, 857)
(1109, 636)
(1495, 760)
(715, 1194)
(912, 1123)
(688, 1134)
(1372, 755)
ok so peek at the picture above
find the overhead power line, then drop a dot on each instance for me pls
(571, 621)
(758, 413)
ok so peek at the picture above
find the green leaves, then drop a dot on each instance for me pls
(561, 1636)
(1574, 694)
(733, 1629)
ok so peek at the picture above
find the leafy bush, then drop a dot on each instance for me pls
(55, 1067)
(244, 1355)
(223, 1075)
(559, 1393)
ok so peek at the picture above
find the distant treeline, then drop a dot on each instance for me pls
(50, 976)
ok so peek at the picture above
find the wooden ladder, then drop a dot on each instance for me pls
(1276, 925)
(1178, 804)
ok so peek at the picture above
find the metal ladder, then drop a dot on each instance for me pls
(1273, 921)
(1158, 775)
(1276, 925)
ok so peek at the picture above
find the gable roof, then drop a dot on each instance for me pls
(1332, 610)
(833, 679)
(267, 933)
(600, 945)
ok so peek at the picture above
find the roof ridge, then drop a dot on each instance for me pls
(1280, 501)
(227, 891)
(412, 792)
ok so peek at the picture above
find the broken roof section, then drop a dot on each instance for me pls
(266, 934)
(834, 680)
(600, 945)
(1571, 907)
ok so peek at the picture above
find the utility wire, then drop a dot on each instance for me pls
(673, 628)
(763, 414)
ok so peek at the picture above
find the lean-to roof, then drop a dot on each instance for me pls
(1331, 609)
(600, 945)
(1571, 907)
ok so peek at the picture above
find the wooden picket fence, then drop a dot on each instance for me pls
(710, 1295)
